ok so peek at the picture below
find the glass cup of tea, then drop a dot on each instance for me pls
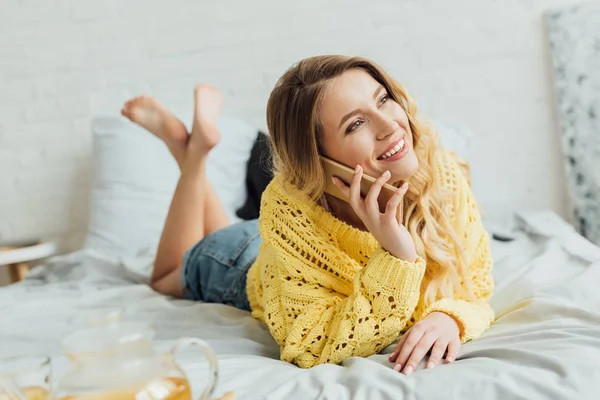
(25, 378)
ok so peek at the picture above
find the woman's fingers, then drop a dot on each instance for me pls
(437, 352)
(345, 189)
(453, 349)
(371, 203)
(352, 192)
(392, 207)
(419, 351)
(414, 336)
(355, 200)
(394, 355)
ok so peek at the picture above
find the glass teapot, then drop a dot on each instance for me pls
(118, 362)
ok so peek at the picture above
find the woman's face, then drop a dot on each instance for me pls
(362, 125)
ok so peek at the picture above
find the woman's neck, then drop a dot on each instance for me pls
(344, 212)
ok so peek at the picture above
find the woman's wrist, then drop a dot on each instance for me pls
(404, 254)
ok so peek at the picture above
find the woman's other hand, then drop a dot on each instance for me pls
(437, 332)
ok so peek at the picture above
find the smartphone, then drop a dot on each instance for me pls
(345, 174)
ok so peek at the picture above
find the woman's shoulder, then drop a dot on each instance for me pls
(280, 194)
(282, 203)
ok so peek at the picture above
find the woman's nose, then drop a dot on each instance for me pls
(386, 126)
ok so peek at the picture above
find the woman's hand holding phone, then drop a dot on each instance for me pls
(385, 227)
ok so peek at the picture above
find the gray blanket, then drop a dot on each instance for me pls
(545, 343)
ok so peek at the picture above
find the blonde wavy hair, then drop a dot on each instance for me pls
(296, 132)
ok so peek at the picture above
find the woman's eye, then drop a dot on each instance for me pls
(384, 99)
(353, 126)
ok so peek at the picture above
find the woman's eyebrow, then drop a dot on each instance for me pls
(348, 116)
(379, 89)
(354, 112)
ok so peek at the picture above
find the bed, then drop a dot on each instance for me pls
(545, 343)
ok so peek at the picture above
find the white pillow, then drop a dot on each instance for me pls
(135, 176)
(455, 138)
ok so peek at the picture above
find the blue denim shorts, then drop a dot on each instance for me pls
(214, 270)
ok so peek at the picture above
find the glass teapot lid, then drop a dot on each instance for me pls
(109, 339)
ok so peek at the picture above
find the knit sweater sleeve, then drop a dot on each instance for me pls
(314, 324)
(473, 316)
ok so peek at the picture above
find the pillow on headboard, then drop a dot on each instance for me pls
(454, 138)
(135, 175)
(259, 174)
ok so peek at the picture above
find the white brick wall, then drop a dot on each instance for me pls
(481, 63)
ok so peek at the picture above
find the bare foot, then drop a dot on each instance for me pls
(205, 134)
(151, 115)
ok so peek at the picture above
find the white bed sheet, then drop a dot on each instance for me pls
(545, 343)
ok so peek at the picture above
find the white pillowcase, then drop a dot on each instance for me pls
(455, 138)
(135, 176)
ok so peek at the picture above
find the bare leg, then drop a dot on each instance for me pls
(184, 225)
(194, 198)
(151, 115)
(215, 217)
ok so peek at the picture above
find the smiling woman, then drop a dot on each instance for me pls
(369, 134)
(334, 278)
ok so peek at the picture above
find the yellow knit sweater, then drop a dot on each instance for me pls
(328, 291)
